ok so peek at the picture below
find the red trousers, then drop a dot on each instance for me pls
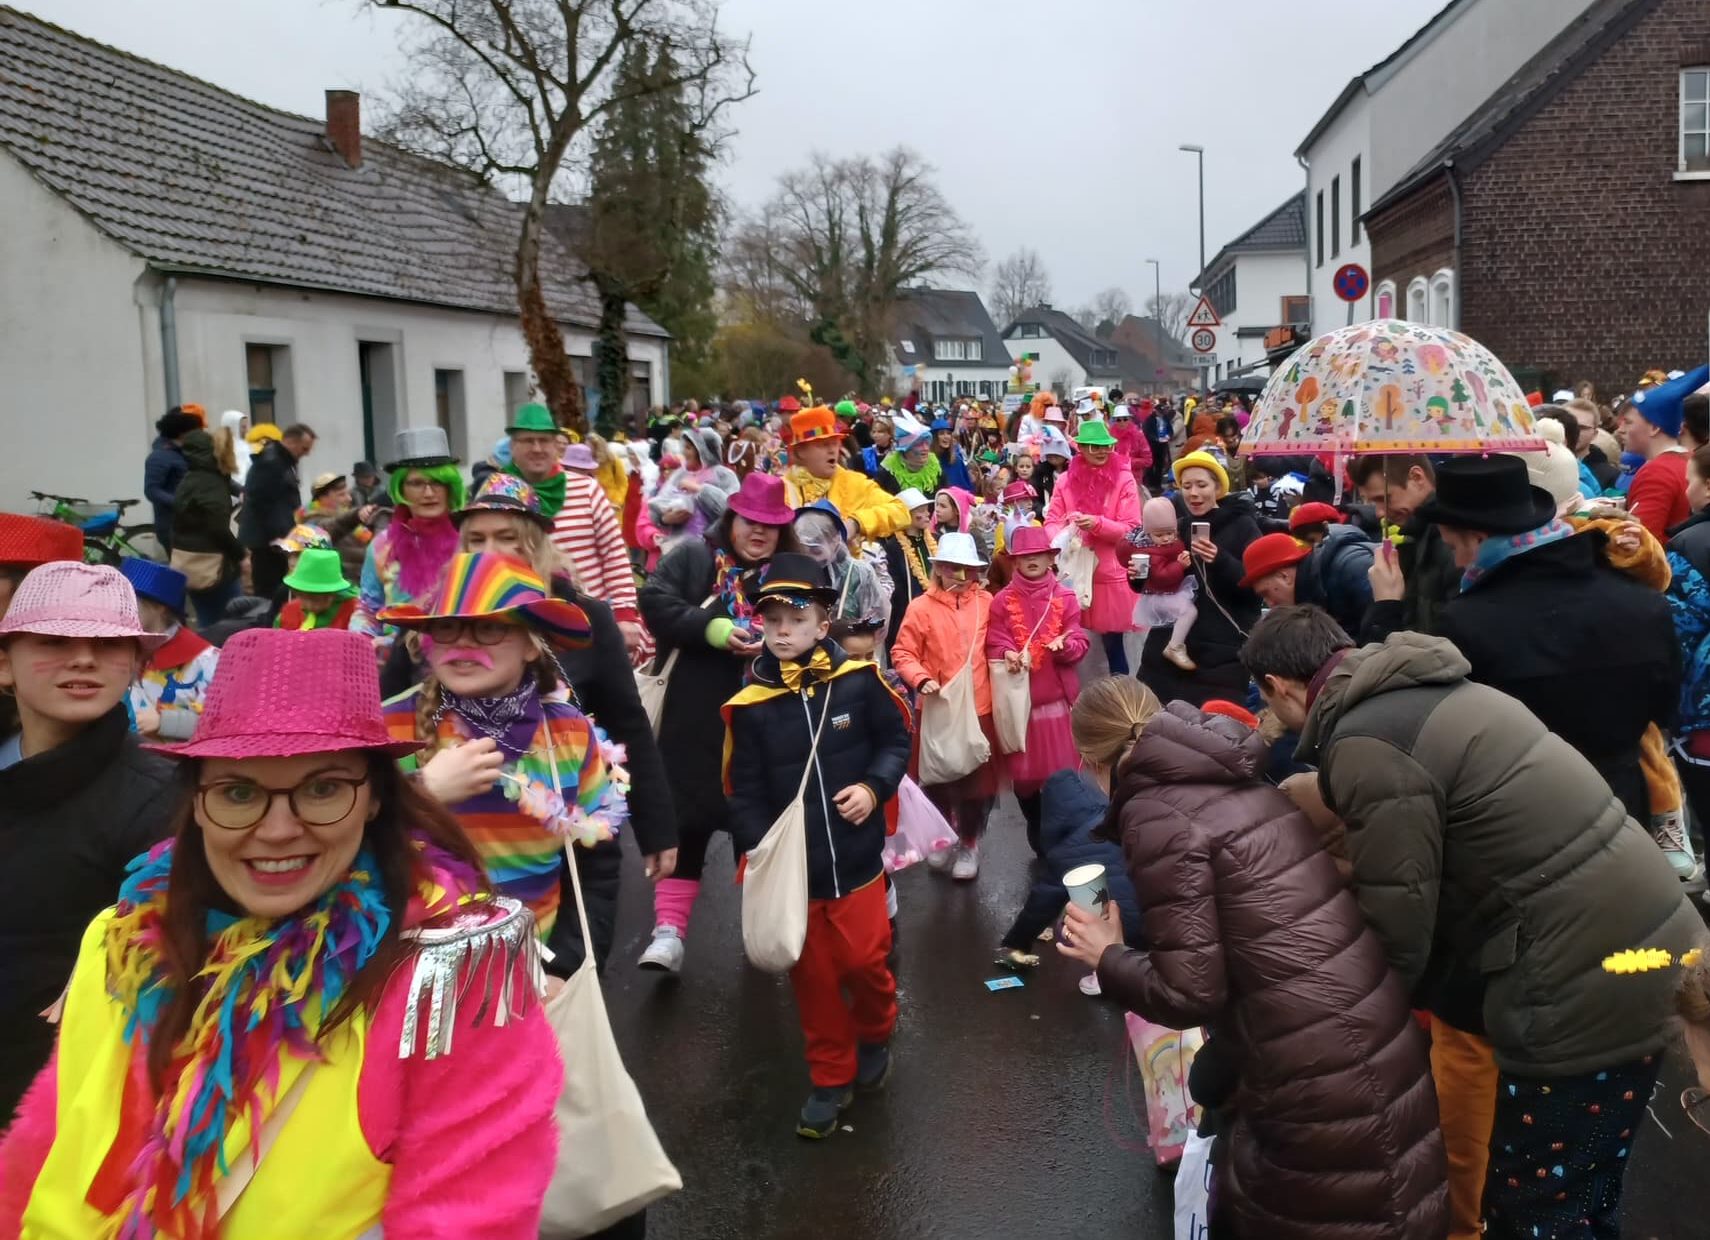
(845, 994)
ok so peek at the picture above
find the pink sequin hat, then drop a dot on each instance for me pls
(69, 599)
(282, 694)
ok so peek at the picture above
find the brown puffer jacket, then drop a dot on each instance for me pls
(1333, 1133)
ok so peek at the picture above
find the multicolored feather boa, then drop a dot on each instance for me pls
(265, 987)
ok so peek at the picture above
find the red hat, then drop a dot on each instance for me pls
(1030, 540)
(282, 694)
(1313, 514)
(1229, 710)
(1534, 399)
(1266, 555)
(813, 424)
(26, 542)
(789, 405)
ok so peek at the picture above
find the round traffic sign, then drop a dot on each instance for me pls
(1352, 282)
(1204, 340)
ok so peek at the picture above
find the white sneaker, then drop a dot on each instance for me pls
(940, 861)
(1669, 831)
(967, 867)
(665, 952)
(1090, 987)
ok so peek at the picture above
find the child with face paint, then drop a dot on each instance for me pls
(944, 631)
(508, 751)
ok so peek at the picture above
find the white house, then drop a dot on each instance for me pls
(165, 241)
(1256, 284)
(1389, 117)
(1069, 355)
(944, 344)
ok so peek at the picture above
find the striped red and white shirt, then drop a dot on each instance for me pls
(586, 533)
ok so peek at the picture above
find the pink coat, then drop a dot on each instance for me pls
(1111, 495)
(1054, 678)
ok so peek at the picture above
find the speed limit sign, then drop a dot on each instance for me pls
(1204, 340)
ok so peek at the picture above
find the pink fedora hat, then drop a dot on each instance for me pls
(1030, 540)
(281, 694)
(761, 500)
(71, 599)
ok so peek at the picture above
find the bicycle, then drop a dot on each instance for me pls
(105, 540)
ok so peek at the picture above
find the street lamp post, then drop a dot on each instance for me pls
(1199, 151)
(1157, 322)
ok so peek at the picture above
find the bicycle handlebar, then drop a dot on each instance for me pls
(62, 499)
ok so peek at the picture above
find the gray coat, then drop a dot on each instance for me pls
(1494, 862)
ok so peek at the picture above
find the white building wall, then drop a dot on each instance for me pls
(1056, 370)
(1348, 137)
(72, 415)
(1262, 280)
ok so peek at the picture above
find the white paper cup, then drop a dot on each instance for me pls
(1088, 887)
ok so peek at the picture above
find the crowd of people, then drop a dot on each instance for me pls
(311, 833)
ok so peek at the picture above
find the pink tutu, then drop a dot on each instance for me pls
(1050, 748)
(1161, 611)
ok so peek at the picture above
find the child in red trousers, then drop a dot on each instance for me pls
(801, 685)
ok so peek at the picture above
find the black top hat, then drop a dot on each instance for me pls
(796, 579)
(1490, 494)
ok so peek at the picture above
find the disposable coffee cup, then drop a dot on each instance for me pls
(1142, 566)
(1088, 888)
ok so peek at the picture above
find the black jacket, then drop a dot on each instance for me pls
(1226, 612)
(272, 494)
(865, 741)
(1691, 540)
(162, 472)
(1432, 580)
(1334, 577)
(70, 821)
(202, 507)
(1070, 810)
(1536, 624)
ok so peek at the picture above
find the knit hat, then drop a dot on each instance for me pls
(1555, 469)
(1158, 511)
(1207, 462)
(281, 694)
(760, 499)
(796, 579)
(1318, 512)
(1663, 405)
(26, 542)
(533, 418)
(1093, 433)
(301, 538)
(1270, 554)
(319, 571)
(177, 424)
(913, 497)
(959, 549)
(485, 586)
(504, 493)
(67, 599)
(1030, 540)
(156, 582)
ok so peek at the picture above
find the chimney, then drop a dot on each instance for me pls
(344, 125)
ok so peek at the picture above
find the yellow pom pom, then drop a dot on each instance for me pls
(1692, 959)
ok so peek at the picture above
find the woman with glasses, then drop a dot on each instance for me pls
(308, 1014)
(523, 769)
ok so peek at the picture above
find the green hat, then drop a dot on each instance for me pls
(533, 417)
(1093, 433)
(846, 410)
(319, 571)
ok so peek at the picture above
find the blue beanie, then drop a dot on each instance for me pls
(1664, 405)
(156, 582)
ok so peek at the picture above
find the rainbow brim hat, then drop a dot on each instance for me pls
(486, 586)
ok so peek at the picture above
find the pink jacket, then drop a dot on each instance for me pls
(1108, 494)
(1054, 678)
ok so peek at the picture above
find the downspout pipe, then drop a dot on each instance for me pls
(169, 339)
(1311, 301)
(1455, 195)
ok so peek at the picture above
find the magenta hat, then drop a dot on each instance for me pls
(761, 500)
(282, 694)
(579, 456)
(1030, 540)
(69, 599)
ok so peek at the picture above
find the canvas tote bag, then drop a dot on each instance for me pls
(651, 686)
(1077, 565)
(202, 569)
(775, 882)
(610, 1162)
(1012, 694)
(951, 742)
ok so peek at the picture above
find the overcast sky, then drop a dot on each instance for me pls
(1053, 124)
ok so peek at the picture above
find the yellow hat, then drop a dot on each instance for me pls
(261, 432)
(1205, 461)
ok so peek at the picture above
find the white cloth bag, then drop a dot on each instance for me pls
(610, 1162)
(951, 742)
(1193, 1190)
(652, 686)
(1012, 694)
(1077, 564)
(775, 882)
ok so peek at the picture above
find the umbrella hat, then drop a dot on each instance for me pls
(319, 570)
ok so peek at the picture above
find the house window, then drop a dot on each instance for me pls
(377, 367)
(1386, 300)
(1418, 301)
(1030, 331)
(947, 350)
(976, 350)
(449, 410)
(1335, 216)
(1320, 228)
(1695, 120)
(269, 372)
(640, 392)
(1297, 311)
(1443, 298)
(908, 347)
(1354, 203)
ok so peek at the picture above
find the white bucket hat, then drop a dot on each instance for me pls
(913, 497)
(958, 549)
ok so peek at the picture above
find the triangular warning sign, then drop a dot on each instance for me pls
(1203, 315)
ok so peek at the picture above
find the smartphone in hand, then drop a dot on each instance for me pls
(1201, 529)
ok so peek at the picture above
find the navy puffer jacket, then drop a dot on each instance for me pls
(1070, 809)
(1334, 577)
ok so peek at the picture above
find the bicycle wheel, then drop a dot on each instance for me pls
(140, 542)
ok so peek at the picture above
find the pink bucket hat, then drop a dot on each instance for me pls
(761, 500)
(1030, 540)
(282, 694)
(579, 456)
(69, 599)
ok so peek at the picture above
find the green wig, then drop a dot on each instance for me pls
(446, 475)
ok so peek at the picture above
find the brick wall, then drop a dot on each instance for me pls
(1582, 257)
(1413, 237)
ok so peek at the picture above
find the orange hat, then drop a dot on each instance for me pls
(195, 411)
(812, 424)
(1229, 710)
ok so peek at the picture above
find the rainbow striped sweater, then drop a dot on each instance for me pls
(521, 825)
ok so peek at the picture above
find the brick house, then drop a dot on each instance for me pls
(1566, 223)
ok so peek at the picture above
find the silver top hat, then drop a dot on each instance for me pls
(419, 446)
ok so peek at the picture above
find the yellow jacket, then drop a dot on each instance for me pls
(875, 512)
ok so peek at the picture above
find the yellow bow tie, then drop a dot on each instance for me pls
(803, 676)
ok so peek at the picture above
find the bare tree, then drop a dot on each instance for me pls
(1111, 306)
(845, 237)
(1086, 316)
(1172, 312)
(508, 89)
(1019, 283)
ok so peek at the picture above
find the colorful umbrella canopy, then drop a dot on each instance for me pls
(1390, 386)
